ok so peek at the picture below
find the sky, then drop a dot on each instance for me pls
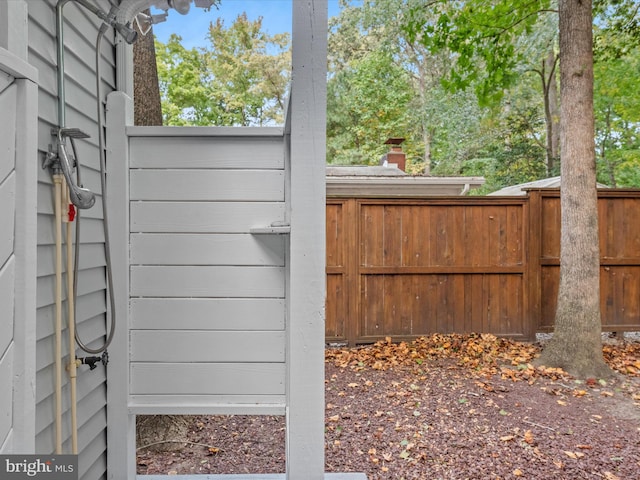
(276, 18)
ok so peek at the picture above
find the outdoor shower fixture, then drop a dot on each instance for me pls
(130, 10)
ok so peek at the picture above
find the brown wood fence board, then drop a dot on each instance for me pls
(410, 267)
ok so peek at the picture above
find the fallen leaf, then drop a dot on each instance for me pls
(574, 455)
(518, 473)
(507, 438)
(528, 437)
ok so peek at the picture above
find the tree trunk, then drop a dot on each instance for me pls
(146, 91)
(161, 433)
(576, 345)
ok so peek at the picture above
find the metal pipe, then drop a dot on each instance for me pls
(60, 58)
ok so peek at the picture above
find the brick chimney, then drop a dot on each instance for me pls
(395, 155)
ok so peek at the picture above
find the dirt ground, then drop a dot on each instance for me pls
(445, 407)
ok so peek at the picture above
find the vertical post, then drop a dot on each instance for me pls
(120, 424)
(14, 36)
(306, 282)
(13, 27)
(352, 261)
(533, 274)
(24, 397)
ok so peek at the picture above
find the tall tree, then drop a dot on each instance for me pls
(576, 345)
(146, 91)
(250, 71)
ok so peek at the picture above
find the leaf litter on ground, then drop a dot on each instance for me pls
(444, 406)
(485, 354)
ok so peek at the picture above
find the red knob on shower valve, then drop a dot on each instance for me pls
(72, 212)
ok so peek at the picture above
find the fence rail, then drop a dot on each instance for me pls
(403, 268)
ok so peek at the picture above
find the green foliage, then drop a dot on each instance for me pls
(367, 103)
(511, 156)
(183, 85)
(617, 115)
(241, 79)
(481, 36)
(250, 71)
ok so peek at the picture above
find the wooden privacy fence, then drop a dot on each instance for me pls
(403, 268)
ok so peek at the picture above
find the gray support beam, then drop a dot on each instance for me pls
(13, 27)
(306, 285)
(120, 424)
(24, 385)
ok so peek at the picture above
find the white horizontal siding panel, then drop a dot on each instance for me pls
(173, 346)
(8, 105)
(203, 217)
(207, 313)
(223, 281)
(207, 404)
(7, 216)
(207, 152)
(7, 282)
(6, 394)
(208, 378)
(203, 249)
(207, 185)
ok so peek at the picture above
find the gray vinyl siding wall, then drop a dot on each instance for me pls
(80, 37)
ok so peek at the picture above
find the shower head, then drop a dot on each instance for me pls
(128, 9)
(128, 33)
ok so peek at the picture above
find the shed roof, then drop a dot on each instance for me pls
(521, 188)
(389, 181)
